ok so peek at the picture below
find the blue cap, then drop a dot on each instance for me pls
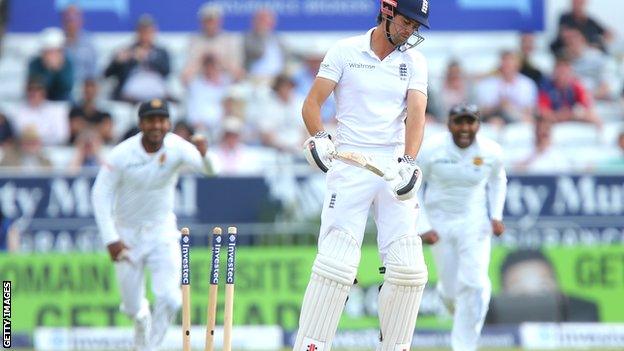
(417, 10)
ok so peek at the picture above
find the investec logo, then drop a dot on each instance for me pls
(186, 279)
(360, 65)
(230, 261)
(215, 263)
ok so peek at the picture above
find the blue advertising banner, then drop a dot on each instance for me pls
(55, 213)
(293, 15)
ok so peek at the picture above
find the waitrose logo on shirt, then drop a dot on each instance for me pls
(360, 65)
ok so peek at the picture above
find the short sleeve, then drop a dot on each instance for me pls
(419, 75)
(331, 67)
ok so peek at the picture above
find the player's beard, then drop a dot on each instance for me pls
(154, 139)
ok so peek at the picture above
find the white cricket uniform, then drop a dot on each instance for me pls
(465, 188)
(371, 110)
(133, 198)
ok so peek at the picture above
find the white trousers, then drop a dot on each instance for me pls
(158, 250)
(351, 192)
(462, 258)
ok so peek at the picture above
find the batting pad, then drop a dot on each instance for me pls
(332, 276)
(400, 295)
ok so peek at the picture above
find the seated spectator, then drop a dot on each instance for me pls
(265, 56)
(563, 98)
(6, 131)
(595, 33)
(509, 96)
(27, 155)
(86, 114)
(588, 63)
(213, 40)
(78, 45)
(204, 96)
(527, 46)
(52, 66)
(231, 156)
(279, 117)
(88, 151)
(184, 130)
(615, 164)
(142, 68)
(455, 89)
(544, 158)
(48, 118)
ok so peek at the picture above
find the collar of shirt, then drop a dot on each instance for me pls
(365, 46)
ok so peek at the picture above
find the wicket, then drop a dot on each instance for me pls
(185, 247)
(213, 289)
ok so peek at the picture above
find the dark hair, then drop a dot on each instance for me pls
(523, 255)
(280, 80)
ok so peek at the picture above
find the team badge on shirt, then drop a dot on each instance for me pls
(477, 161)
(162, 159)
(403, 71)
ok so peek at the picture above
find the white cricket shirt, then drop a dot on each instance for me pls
(457, 180)
(371, 93)
(135, 188)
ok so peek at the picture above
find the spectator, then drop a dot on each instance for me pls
(53, 66)
(184, 130)
(6, 131)
(142, 68)
(204, 96)
(4, 19)
(594, 32)
(214, 41)
(527, 46)
(588, 63)
(86, 114)
(455, 89)
(232, 157)
(279, 121)
(304, 78)
(78, 45)
(28, 154)
(48, 118)
(544, 158)
(563, 98)
(87, 153)
(509, 96)
(265, 56)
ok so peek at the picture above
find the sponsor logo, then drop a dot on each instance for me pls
(360, 65)
(186, 278)
(311, 347)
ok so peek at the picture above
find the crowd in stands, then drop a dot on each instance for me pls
(244, 91)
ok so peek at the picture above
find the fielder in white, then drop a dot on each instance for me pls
(133, 199)
(463, 205)
(380, 88)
